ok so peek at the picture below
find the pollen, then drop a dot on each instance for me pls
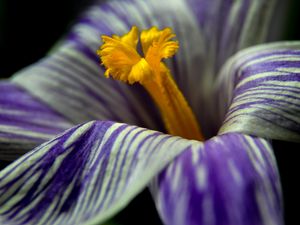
(123, 62)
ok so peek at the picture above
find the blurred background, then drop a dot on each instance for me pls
(28, 29)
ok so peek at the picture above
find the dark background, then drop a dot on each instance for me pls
(29, 28)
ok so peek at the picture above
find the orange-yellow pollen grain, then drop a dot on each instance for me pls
(122, 61)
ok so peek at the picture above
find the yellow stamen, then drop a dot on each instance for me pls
(122, 61)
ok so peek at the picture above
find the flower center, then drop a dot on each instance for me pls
(122, 61)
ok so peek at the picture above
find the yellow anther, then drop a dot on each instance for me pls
(119, 55)
(131, 38)
(122, 61)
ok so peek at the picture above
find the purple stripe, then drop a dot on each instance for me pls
(161, 142)
(278, 87)
(115, 167)
(271, 66)
(288, 99)
(122, 165)
(272, 89)
(104, 154)
(256, 82)
(136, 153)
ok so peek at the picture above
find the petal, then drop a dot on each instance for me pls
(70, 79)
(263, 86)
(25, 122)
(74, 85)
(231, 179)
(85, 175)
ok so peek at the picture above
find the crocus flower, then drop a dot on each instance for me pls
(91, 171)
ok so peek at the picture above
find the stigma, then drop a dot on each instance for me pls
(123, 62)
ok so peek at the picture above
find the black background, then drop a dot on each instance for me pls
(29, 28)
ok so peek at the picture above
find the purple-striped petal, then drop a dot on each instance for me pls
(25, 122)
(261, 88)
(208, 31)
(85, 175)
(226, 26)
(232, 179)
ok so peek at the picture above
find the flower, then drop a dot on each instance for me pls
(88, 173)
